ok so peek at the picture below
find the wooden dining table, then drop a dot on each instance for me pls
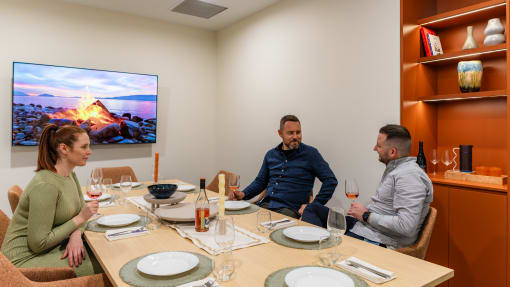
(254, 264)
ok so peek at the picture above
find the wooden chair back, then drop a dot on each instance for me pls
(14, 194)
(116, 172)
(419, 248)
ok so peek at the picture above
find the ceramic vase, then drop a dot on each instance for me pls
(470, 76)
(494, 33)
(470, 42)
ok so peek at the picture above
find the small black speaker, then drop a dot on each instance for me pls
(466, 158)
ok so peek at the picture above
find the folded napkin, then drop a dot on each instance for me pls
(122, 233)
(280, 223)
(205, 240)
(215, 198)
(201, 283)
(364, 272)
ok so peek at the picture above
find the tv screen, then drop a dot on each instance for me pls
(113, 107)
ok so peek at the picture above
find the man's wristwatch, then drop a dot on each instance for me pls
(365, 216)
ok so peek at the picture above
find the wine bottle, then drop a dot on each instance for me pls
(420, 159)
(202, 209)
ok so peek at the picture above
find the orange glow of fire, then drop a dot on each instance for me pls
(87, 110)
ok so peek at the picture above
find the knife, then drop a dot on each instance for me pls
(357, 265)
(127, 232)
(276, 222)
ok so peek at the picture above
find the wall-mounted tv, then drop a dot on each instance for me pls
(113, 107)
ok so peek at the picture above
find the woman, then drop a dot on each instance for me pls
(51, 216)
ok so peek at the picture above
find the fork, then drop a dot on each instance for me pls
(209, 283)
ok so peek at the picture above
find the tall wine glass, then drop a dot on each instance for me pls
(336, 225)
(234, 182)
(351, 189)
(433, 160)
(96, 176)
(125, 186)
(446, 158)
(224, 235)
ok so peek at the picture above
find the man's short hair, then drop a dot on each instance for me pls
(288, 118)
(399, 137)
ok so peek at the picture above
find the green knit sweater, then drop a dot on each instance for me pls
(42, 219)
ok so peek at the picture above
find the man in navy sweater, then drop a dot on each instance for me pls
(288, 173)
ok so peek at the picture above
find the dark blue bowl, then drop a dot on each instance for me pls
(162, 191)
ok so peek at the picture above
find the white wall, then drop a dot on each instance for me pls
(334, 64)
(60, 33)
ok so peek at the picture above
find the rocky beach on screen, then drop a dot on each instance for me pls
(103, 126)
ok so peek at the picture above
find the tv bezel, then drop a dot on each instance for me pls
(90, 69)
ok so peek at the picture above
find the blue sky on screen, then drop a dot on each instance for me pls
(33, 80)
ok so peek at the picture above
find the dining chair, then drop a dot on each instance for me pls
(14, 194)
(116, 172)
(4, 224)
(36, 274)
(213, 186)
(57, 277)
(419, 248)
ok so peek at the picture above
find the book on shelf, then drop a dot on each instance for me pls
(431, 42)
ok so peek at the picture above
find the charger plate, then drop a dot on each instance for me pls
(130, 274)
(278, 237)
(277, 278)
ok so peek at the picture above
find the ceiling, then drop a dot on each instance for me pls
(161, 9)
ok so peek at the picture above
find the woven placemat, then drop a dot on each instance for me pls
(277, 278)
(143, 185)
(94, 226)
(130, 274)
(253, 208)
(278, 237)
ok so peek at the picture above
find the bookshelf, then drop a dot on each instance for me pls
(437, 113)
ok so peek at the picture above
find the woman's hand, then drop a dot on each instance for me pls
(75, 251)
(86, 212)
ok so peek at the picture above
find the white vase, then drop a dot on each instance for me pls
(494, 26)
(494, 39)
(470, 42)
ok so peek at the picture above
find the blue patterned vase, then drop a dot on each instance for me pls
(470, 75)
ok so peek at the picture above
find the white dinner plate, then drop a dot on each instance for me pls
(118, 219)
(236, 205)
(305, 233)
(104, 196)
(185, 187)
(167, 263)
(317, 276)
(133, 184)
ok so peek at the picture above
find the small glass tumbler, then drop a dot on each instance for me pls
(264, 221)
(328, 255)
(224, 265)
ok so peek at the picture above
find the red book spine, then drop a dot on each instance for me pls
(425, 41)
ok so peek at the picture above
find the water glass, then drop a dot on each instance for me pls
(155, 221)
(328, 255)
(224, 267)
(224, 235)
(263, 216)
(107, 186)
(125, 186)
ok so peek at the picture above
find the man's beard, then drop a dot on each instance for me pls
(290, 147)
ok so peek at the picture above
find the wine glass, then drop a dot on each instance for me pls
(351, 189)
(125, 186)
(433, 160)
(446, 158)
(96, 175)
(224, 235)
(94, 191)
(234, 182)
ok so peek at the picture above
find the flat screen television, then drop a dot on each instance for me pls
(113, 107)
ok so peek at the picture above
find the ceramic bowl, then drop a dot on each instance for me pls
(162, 191)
